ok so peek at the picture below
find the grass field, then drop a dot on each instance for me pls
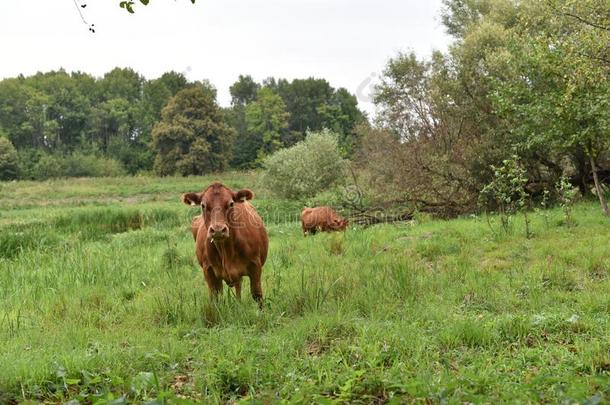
(101, 300)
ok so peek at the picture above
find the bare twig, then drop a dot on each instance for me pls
(82, 17)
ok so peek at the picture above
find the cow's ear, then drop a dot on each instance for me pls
(243, 195)
(191, 198)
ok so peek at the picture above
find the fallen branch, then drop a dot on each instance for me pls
(378, 217)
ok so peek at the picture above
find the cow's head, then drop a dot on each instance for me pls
(339, 224)
(217, 203)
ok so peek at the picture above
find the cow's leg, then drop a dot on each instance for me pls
(256, 288)
(213, 282)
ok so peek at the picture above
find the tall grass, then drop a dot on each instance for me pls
(103, 301)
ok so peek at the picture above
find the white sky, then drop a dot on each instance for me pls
(346, 42)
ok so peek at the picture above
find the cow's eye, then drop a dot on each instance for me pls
(203, 206)
(231, 204)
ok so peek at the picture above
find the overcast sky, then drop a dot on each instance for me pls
(346, 42)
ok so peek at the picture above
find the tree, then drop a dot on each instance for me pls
(267, 120)
(314, 105)
(9, 160)
(303, 97)
(122, 83)
(425, 147)
(66, 109)
(558, 94)
(22, 114)
(244, 91)
(342, 115)
(192, 137)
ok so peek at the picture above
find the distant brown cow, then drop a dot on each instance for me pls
(323, 219)
(230, 239)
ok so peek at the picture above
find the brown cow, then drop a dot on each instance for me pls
(230, 239)
(323, 219)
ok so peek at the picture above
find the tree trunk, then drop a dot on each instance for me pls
(598, 187)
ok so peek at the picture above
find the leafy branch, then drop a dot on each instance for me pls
(129, 5)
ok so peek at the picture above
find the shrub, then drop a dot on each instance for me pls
(9, 161)
(80, 165)
(506, 192)
(48, 166)
(568, 195)
(307, 168)
(76, 165)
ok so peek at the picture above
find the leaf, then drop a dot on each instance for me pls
(145, 2)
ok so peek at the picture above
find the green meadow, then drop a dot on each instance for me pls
(102, 302)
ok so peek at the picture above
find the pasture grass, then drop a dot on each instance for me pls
(102, 300)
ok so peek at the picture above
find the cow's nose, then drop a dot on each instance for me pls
(219, 231)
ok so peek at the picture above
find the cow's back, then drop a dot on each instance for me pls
(312, 217)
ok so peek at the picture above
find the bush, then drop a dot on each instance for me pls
(9, 161)
(75, 165)
(307, 168)
(48, 166)
(79, 165)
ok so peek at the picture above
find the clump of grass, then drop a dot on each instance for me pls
(15, 239)
(91, 223)
(172, 259)
(469, 333)
(335, 245)
(435, 247)
(514, 328)
(560, 278)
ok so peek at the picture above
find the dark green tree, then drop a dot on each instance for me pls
(122, 83)
(266, 120)
(66, 110)
(192, 137)
(244, 90)
(313, 105)
(9, 160)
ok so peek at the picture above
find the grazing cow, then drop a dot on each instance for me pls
(230, 239)
(323, 219)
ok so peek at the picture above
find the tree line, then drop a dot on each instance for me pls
(525, 85)
(123, 123)
(525, 80)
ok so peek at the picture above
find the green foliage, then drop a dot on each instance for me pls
(9, 160)
(266, 121)
(244, 90)
(506, 192)
(526, 78)
(129, 5)
(192, 137)
(568, 195)
(61, 113)
(309, 167)
(279, 113)
(74, 165)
